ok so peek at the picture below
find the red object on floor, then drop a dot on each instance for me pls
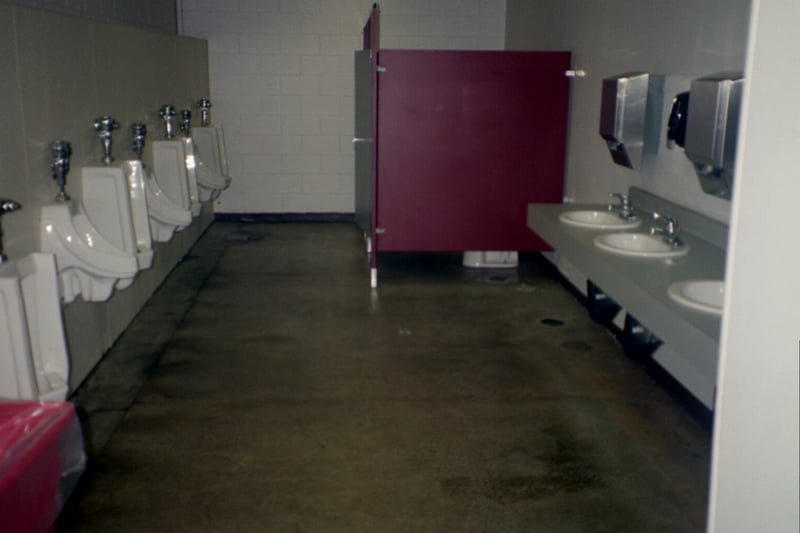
(41, 459)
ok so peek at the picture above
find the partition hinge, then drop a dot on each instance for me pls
(380, 231)
(575, 73)
(381, 68)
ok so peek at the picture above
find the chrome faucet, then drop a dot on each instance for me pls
(139, 130)
(625, 208)
(61, 151)
(104, 126)
(167, 113)
(186, 122)
(6, 206)
(204, 104)
(671, 230)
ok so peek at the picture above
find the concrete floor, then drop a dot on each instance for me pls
(265, 387)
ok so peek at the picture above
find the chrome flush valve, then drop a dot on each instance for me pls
(204, 104)
(104, 126)
(138, 131)
(167, 113)
(61, 151)
(186, 122)
(6, 206)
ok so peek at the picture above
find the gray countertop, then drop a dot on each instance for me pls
(640, 285)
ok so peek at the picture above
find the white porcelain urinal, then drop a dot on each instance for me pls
(87, 263)
(164, 216)
(169, 167)
(140, 213)
(107, 203)
(209, 149)
(33, 353)
(209, 183)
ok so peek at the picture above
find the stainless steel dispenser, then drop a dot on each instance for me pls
(630, 116)
(711, 130)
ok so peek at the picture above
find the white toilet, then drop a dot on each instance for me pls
(34, 364)
(170, 171)
(87, 263)
(491, 259)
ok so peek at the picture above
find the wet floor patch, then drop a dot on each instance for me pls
(568, 469)
(576, 346)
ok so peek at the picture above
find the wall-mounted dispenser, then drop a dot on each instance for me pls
(630, 116)
(711, 130)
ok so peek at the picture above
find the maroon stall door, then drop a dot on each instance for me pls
(465, 141)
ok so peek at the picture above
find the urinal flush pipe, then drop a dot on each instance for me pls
(204, 104)
(138, 131)
(186, 122)
(61, 151)
(6, 206)
(167, 113)
(104, 126)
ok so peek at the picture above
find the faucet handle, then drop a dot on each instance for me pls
(671, 229)
(625, 207)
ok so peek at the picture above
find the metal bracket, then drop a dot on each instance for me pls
(380, 231)
(575, 73)
(381, 68)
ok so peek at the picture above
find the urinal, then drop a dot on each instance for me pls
(34, 364)
(209, 145)
(169, 168)
(140, 213)
(109, 200)
(87, 263)
(209, 182)
(163, 216)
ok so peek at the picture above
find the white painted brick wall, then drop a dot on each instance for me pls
(282, 86)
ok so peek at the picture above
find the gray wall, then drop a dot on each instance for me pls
(59, 73)
(155, 14)
(755, 482)
(682, 40)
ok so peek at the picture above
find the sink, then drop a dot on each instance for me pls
(700, 295)
(597, 220)
(639, 245)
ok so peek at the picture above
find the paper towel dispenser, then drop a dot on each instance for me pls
(712, 129)
(630, 116)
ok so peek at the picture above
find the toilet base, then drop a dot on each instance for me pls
(490, 259)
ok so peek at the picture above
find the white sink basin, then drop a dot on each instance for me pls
(597, 220)
(639, 245)
(701, 295)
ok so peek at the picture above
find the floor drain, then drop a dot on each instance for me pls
(552, 322)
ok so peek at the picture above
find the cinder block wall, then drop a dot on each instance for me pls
(282, 86)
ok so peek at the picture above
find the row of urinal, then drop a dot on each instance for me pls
(104, 238)
(97, 243)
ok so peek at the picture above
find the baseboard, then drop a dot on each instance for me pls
(264, 218)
